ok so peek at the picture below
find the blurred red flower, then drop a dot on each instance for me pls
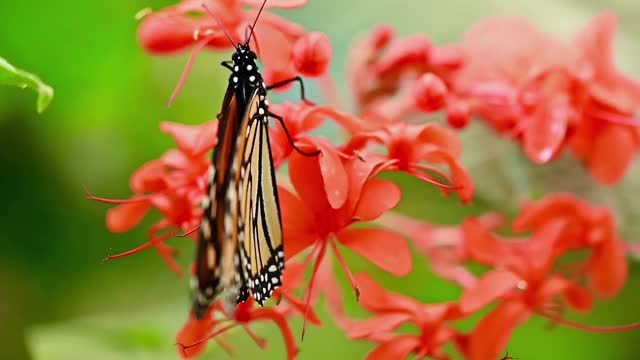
(174, 184)
(392, 310)
(383, 71)
(586, 227)
(443, 245)
(549, 94)
(194, 335)
(277, 41)
(523, 279)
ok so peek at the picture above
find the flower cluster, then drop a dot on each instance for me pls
(545, 93)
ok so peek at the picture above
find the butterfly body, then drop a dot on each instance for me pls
(240, 236)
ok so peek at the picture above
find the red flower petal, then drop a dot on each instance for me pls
(413, 49)
(579, 298)
(551, 207)
(298, 231)
(149, 177)
(459, 174)
(479, 244)
(192, 139)
(308, 181)
(607, 269)
(492, 333)
(613, 150)
(380, 323)
(176, 159)
(282, 4)
(375, 298)
(542, 243)
(546, 131)
(445, 139)
(384, 248)
(397, 348)
(193, 331)
(272, 315)
(293, 275)
(126, 216)
(169, 31)
(376, 198)
(274, 46)
(610, 87)
(490, 287)
(160, 33)
(553, 286)
(334, 175)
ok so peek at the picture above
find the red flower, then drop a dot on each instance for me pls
(393, 310)
(586, 227)
(194, 335)
(333, 194)
(175, 28)
(409, 146)
(174, 184)
(522, 82)
(300, 118)
(442, 245)
(382, 70)
(523, 280)
(525, 285)
(311, 54)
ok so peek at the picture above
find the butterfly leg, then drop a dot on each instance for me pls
(284, 127)
(227, 64)
(288, 81)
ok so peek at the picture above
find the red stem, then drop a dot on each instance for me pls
(154, 241)
(321, 254)
(427, 178)
(352, 279)
(590, 328)
(187, 69)
(134, 199)
(209, 337)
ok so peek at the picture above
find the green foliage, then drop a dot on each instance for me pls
(10, 75)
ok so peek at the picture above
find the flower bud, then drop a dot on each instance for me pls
(458, 114)
(311, 54)
(430, 93)
(381, 36)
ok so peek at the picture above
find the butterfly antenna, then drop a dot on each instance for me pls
(206, 8)
(255, 21)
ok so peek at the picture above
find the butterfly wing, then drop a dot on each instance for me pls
(213, 268)
(260, 249)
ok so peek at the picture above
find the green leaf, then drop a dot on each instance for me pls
(10, 75)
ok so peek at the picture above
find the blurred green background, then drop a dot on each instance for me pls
(58, 301)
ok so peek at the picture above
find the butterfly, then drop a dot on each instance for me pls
(240, 248)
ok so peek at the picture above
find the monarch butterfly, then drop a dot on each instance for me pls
(240, 237)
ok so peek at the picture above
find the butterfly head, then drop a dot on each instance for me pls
(244, 54)
(245, 70)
